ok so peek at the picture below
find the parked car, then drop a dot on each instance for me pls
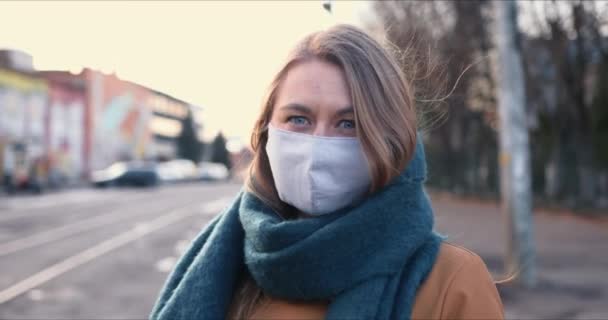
(135, 173)
(211, 171)
(178, 170)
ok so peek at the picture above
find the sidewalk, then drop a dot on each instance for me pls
(572, 259)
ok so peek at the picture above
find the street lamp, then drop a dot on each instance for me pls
(327, 5)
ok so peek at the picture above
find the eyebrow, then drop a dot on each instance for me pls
(304, 109)
(345, 111)
(297, 107)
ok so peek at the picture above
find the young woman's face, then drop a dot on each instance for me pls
(313, 98)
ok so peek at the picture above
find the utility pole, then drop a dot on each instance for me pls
(514, 157)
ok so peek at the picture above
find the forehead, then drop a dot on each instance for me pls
(314, 83)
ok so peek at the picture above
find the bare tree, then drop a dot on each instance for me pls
(444, 46)
(563, 63)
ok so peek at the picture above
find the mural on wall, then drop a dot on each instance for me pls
(23, 103)
(66, 132)
(35, 111)
(119, 121)
(12, 121)
(57, 126)
(77, 123)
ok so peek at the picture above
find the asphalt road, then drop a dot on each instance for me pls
(104, 254)
(97, 254)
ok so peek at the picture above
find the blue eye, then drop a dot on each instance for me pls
(298, 120)
(347, 124)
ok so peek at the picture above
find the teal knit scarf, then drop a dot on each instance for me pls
(368, 260)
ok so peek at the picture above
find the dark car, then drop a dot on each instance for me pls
(134, 174)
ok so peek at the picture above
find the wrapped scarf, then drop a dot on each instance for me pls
(368, 259)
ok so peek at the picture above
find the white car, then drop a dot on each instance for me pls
(211, 171)
(177, 170)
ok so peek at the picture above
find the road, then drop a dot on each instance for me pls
(97, 254)
(104, 254)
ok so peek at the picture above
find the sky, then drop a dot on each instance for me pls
(219, 55)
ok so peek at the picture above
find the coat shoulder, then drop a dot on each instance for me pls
(458, 286)
(453, 257)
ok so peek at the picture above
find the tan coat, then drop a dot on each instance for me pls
(458, 287)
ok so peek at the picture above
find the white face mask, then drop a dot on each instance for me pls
(317, 175)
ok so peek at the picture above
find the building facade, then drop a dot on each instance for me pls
(56, 126)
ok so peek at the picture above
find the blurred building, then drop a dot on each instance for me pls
(23, 99)
(198, 119)
(16, 60)
(62, 125)
(65, 127)
(118, 116)
(127, 121)
(168, 117)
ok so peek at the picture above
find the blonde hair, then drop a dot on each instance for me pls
(383, 102)
(385, 120)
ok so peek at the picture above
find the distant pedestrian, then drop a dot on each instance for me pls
(333, 221)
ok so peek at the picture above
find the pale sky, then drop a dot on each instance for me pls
(220, 55)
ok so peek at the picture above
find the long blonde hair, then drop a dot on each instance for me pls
(385, 115)
(385, 120)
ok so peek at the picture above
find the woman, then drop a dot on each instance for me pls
(333, 221)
